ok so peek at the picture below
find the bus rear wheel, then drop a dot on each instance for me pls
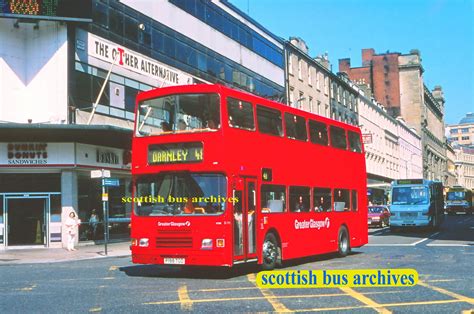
(270, 252)
(343, 246)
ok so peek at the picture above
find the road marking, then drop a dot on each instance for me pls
(262, 298)
(108, 278)
(418, 242)
(29, 288)
(446, 244)
(368, 306)
(442, 280)
(269, 296)
(95, 309)
(446, 292)
(362, 298)
(390, 244)
(113, 268)
(186, 303)
(468, 311)
(225, 289)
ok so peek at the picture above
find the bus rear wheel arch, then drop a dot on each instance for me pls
(271, 252)
(343, 242)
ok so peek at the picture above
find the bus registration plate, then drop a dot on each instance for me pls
(174, 261)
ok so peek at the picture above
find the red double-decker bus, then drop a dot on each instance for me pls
(223, 177)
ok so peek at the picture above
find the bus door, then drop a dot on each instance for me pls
(245, 235)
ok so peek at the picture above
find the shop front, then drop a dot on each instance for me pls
(41, 182)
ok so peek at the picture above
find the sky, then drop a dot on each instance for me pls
(443, 31)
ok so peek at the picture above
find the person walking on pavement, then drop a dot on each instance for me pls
(71, 228)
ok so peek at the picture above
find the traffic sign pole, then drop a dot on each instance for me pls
(106, 216)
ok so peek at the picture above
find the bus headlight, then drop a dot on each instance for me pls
(220, 243)
(206, 244)
(143, 242)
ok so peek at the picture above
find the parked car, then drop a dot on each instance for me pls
(379, 216)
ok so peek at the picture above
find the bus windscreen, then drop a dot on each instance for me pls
(178, 113)
(180, 194)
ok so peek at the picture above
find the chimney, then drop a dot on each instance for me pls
(367, 55)
(345, 65)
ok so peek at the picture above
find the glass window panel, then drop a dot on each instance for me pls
(318, 132)
(273, 198)
(269, 121)
(299, 199)
(295, 127)
(338, 137)
(240, 114)
(322, 199)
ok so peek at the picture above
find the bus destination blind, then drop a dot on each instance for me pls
(175, 153)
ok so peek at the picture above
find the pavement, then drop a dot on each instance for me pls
(49, 255)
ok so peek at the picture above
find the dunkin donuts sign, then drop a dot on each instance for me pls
(27, 153)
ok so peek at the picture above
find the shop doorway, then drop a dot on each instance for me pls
(26, 222)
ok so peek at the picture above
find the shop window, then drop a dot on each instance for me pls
(240, 114)
(318, 132)
(273, 198)
(341, 200)
(55, 208)
(322, 199)
(299, 199)
(295, 127)
(269, 121)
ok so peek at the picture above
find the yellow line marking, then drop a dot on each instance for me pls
(108, 278)
(113, 268)
(468, 311)
(261, 298)
(186, 303)
(368, 306)
(95, 309)
(442, 280)
(269, 296)
(362, 298)
(446, 292)
(224, 289)
(28, 288)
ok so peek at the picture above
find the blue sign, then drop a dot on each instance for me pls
(110, 182)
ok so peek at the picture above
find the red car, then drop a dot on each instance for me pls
(379, 216)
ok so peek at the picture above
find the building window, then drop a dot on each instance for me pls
(300, 69)
(318, 87)
(310, 101)
(465, 138)
(310, 80)
(292, 97)
(300, 100)
(465, 130)
(290, 64)
(326, 85)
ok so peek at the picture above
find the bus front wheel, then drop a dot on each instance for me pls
(270, 252)
(343, 246)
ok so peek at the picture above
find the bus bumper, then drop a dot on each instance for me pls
(194, 258)
(417, 222)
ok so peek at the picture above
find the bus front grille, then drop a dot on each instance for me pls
(181, 242)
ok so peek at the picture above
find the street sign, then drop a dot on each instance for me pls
(100, 174)
(110, 182)
(96, 174)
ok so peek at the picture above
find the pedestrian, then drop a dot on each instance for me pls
(93, 224)
(71, 228)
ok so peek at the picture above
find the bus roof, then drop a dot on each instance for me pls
(217, 88)
(413, 182)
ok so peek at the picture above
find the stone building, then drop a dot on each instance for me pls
(396, 81)
(308, 86)
(462, 134)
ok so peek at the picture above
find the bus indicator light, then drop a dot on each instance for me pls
(220, 243)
